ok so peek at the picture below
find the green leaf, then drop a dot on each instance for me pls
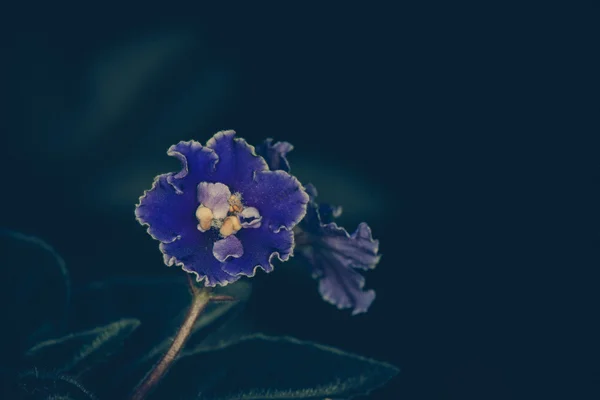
(82, 350)
(47, 385)
(262, 367)
(34, 293)
(160, 304)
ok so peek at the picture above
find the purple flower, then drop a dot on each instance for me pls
(336, 257)
(275, 154)
(225, 213)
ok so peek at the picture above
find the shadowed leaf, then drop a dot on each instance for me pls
(80, 351)
(262, 367)
(48, 385)
(160, 304)
(35, 293)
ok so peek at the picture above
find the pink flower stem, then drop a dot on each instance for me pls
(221, 298)
(200, 298)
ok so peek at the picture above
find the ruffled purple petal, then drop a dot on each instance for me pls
(343, 287)
(250, 218)
(198, 165)
(279, 198)
(228, 247)
(358, 250)
(237, 163)
(335, 255)
(260, 246)
(215, 196)
(165, 211)
(275, 154)
(193, 251)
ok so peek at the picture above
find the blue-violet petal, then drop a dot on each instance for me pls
(275, 154)
(228, 247)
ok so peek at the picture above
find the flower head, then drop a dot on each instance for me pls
(225, 213)
(335, 255)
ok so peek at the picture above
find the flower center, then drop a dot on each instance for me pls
(224, 211)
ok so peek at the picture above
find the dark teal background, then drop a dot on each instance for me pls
(416, 119)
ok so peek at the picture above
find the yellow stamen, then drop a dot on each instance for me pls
(205, 217)
(230, 226)
(235, 204)
(236, 223)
